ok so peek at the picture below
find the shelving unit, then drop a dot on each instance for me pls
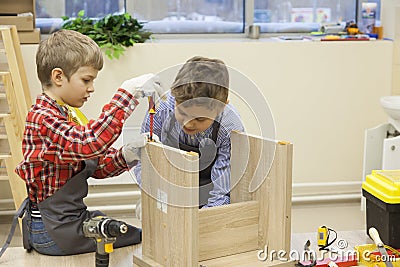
(15, 100)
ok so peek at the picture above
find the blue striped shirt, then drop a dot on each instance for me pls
(229, 121)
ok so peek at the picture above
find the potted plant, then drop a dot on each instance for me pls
(112, 33)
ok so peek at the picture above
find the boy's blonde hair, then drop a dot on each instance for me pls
(68, 50)
(202, 78)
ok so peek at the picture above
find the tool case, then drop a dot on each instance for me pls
(382, 192)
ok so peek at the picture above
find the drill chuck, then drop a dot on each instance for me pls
(102, 227)
(113, 228)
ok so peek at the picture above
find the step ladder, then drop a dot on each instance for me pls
(15, 100)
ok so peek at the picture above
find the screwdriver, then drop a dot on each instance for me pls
(152, 111)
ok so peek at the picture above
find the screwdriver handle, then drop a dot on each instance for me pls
(373, 233)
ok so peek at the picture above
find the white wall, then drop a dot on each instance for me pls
(323, 95)
(391, 29)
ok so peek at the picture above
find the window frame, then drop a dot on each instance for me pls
(249, 6)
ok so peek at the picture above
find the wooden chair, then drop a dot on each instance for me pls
(259, 215)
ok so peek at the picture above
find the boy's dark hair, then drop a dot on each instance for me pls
(68, 50)
(201, 77)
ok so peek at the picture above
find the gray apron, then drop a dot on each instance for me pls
(64, 212)
(207, 158)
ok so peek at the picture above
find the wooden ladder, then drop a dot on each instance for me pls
(15, 100)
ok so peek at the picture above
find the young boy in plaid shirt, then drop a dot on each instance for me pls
(62, 148)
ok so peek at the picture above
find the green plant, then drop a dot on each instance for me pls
(112, 33)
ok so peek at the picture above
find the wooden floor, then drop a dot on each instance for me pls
(123, 257)
(16, 256)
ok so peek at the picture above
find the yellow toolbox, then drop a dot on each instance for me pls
(382, 191)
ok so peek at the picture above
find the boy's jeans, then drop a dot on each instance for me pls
(40, 240)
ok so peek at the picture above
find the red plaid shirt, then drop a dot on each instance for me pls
(54, 148)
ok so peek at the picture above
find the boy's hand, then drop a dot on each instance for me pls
(144, 85)
(131, 151)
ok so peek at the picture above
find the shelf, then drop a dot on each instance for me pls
(3, 178)
(5, 156)
(2, 115)
(6, 201)
(7, 212)
(3, 73)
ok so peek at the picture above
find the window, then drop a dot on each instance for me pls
(303, 15)
(190, 16)
(49, 12)
(209, 16)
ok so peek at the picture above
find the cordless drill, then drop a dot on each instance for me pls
(105, 231)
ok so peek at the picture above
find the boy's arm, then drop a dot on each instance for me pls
(112, 164)
(116, 161)
(221, 171)
(68, 142)
(220, 176)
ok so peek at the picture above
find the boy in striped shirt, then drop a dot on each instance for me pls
(197, 116)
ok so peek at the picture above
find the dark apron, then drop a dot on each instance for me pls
(64, 212)
(207, 158)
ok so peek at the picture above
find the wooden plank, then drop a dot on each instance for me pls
(5, 156)
(140, 260)
(275, 205)
(18, 109)
(21, 67)
(31, 37)
(15, 62)
(240, 178)
(247, 259)
(228, 230)
(23, 23)
(21, 6)
(19, 100)
(272, 185)
(17, 185)
(170, 227)
(14, 135)
(251, 159)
